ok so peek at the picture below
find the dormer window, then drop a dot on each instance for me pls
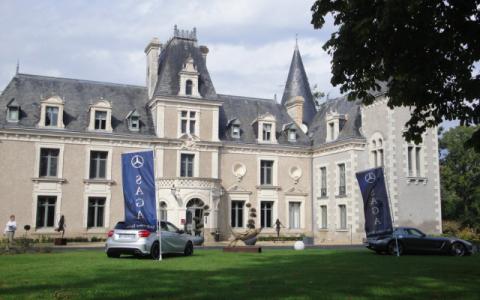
(266, 128)
(101, 116)
(267, 132)
(189, 79)
(100, 120)
(51, 113)
(133, 120)
(292, 135)
(335, 124)
(13, 111)
(188, 88)
(236, 131)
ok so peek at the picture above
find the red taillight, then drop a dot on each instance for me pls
(143, 233)
(110, 233)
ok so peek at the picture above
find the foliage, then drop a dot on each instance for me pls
(424, 51)
(317, 95)
(460, 178)
(454, 228)
(212, 274)
(281, 238)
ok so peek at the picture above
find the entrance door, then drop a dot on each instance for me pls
(194, 222)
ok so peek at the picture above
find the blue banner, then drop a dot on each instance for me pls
(139, 190)
(378, 220)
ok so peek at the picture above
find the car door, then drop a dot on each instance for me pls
(419, 241)
(167, 244)
(177, 241)
(412, 240)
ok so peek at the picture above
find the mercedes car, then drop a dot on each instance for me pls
(411, 240)
(140, 242)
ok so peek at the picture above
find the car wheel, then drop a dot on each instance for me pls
(155, 251)
(457, 249)
(112, 254)
(188, 249)
(392, 248)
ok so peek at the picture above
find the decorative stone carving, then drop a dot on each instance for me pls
(295, 173)
(239, 170)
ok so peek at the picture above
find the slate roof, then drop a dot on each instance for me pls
(28, 91)
(351, 128)
(172, 57)
(247, 110)
(297, 85)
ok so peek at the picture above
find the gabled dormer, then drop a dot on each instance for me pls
(266, 129)
(290, 131)
(189, 79)
(100, 116)
(51, 113)
(233, 128)
(133, 120)
(13, 111)
(335, 123)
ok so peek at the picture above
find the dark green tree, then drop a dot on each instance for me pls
(424, 51)
(460, 177)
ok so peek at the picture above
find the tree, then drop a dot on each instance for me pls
(425, 53)
(460, 177)
(317, 95)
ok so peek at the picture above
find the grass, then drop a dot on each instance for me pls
(212, 274)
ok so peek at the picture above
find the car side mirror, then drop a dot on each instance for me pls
(180, 231)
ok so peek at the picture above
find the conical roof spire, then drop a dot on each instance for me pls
(297, 85)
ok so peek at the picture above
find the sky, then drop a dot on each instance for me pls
(251, 43)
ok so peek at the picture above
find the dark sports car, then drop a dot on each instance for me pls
(412, 240)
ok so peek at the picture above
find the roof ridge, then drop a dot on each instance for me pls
(79, 80)
(250, 98)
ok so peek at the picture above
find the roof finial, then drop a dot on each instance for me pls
(18, 66)
(296, 41)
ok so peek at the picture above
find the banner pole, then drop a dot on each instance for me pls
(391, 208)
(157, 206)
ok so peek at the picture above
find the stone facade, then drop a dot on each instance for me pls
(61, 154)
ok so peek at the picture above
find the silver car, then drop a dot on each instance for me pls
(145, 243)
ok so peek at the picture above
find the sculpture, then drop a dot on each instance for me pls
(249, 237)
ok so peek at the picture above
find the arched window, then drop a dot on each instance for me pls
(188, 87)
(194, 224)
(376, 147)
(163, 211)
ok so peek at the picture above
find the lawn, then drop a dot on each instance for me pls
(211, 274)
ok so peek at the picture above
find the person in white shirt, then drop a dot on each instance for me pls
(10, 230)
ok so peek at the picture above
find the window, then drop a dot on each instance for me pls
(133, 120)
(343, 216)
(48, 162)
(163, 211)
(380, 157)
(98, 164)
(323, 210)
(375, 161)
(267, 132)
(46, 211)
(188, 87)
(377, 157)
(236, 219)
(186, 165)
(96, 211)
(100, 120)
(410, 160)
(342, 190)
(323, 182)
(266, 170)
(266, 214)
(418, 166)
(236, 131)
(331, 128)
(13, 113)
(51, 116)
(292, 135)
(294, 215)
(187, 121)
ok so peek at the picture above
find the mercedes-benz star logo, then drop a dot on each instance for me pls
(137, 161)
(370, 177)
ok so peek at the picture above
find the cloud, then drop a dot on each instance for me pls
(251, 42)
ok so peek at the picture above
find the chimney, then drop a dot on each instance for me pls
(204, 50)
(153, 52)
(295, 109)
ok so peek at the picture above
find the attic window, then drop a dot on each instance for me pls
(267, 132)
(133, 120)
(188, 88)
(236, 131)
(51, 116)
(13, 111)
(292, 135)
(100, 120)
